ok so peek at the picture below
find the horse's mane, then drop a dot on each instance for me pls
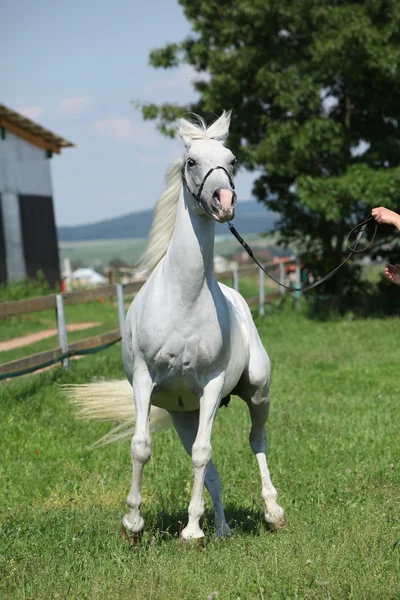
(164, 214)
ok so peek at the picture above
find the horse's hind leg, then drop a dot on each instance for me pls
(133, 523)
(274, 514)
(254, 389)
(186, 425)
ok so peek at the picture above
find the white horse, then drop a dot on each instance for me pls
(189, 342)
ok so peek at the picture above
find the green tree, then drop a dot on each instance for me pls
(315, 90)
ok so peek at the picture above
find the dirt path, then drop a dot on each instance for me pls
(25, 340)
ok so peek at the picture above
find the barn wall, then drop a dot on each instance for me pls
(24, 171)
(15, 262)
(39, 237)
(3, 267)
(24, 168)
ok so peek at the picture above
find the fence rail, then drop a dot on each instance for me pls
(89, 345)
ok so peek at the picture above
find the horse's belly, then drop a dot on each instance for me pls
(176, 396)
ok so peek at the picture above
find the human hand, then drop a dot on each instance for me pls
(384, 215)
(393, 273)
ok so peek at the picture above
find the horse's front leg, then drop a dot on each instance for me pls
(187, 425)
(201, 456)
(133, 523)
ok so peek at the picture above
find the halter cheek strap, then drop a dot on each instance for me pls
(199, 193)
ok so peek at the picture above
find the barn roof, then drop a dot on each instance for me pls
(31, 131)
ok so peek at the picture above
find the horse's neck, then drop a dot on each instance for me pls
(188, 263)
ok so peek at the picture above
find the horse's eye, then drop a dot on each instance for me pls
(190, 162)
(233, 162)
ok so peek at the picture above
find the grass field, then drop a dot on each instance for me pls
(334, 451)
(104, 313)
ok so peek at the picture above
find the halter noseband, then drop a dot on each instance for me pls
(197, 196)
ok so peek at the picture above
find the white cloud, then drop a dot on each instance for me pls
(75, 105)
(30, 112)
(121, 128)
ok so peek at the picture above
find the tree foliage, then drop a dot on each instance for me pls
(315, 90)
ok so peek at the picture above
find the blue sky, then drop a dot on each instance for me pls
(74, 67)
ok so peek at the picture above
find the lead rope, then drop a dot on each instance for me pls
(353, 250)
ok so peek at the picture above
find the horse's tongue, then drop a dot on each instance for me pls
(225, 197)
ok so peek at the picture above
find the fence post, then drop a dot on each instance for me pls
(261, 291)
(235, 274)
(297, 295)
(62, 330)
(120, 306)
(282, 278)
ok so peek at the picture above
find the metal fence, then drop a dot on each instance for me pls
(64, 351)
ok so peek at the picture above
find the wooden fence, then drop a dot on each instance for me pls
(66, 350)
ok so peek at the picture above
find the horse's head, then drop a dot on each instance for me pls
(208, 168)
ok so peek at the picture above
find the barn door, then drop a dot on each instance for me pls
(3, 266)
(39, 237)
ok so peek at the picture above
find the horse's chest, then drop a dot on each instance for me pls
(184, 351)
(182, 366)
(184, 346)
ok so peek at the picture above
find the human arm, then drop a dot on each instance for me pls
(384, 215)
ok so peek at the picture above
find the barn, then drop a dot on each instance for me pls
(28, 236)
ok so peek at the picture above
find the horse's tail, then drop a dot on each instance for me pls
(112, 401)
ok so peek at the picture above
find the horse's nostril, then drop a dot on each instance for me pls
(215, 205)
(216, 194)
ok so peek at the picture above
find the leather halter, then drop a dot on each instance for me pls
(197, 196)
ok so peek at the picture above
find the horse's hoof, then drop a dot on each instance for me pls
(133, 538)
(192, 543)
(194, 538)
(277, 524)
(224, 532)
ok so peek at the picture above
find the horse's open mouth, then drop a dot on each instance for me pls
(222, 216)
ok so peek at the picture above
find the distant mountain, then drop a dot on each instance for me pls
(251, 217)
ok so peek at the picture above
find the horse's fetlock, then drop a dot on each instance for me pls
(269, 493)
(196, 508)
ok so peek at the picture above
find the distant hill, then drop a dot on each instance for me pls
(251, 217)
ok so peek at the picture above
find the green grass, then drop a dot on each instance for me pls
(104, 313)
(334, 449)
(249, 286)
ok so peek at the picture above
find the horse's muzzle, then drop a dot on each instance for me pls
(223, 205)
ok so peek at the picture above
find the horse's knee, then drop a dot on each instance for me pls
(141, 449)
(201, 454)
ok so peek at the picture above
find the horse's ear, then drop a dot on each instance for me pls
(187, 141)
(219, 130)
(189, 132)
